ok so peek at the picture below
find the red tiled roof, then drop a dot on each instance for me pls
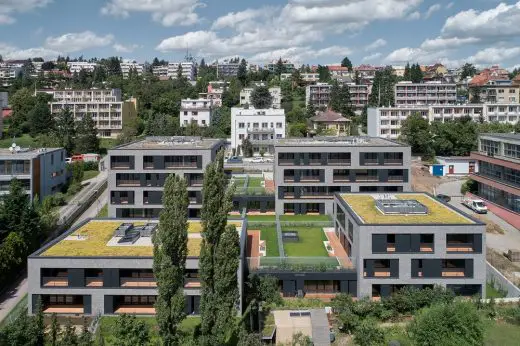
(6, 112)
(337, 68)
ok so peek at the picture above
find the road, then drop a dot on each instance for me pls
(501, 242)
(9, 299)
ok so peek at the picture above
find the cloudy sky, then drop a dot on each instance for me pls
(312, 31)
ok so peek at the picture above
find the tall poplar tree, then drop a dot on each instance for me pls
(216, 205)
(170, 251)
(86, 136)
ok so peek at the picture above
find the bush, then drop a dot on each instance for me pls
(410, 299)
(73, 188)
(458, 323)
(58, 199)
(90, 166)
(368, 333)
(469, 186)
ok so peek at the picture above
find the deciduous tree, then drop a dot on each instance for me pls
(86, 136)
(66, 130)
(131, 332)
(415, 131)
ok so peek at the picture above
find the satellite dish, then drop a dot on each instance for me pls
(11, 149)
(13, 145)
(17, 148)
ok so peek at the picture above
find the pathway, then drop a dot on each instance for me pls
(253, 250)
(12, 297)
(339, 251)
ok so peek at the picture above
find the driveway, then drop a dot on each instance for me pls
(500, 242)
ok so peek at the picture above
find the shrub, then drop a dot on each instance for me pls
(58, 199)
(90, 166)
(368, 333)
(469, 186)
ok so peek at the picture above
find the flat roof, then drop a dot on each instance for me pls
(360, 141)
(510, 136)
(363, 206)
(171, 143)
(95, 238)
(27, 152)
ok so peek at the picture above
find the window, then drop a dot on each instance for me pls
(264, 125)
(255, 125)
(52, 159)
(240, 125)
(278, 125)
(185, 113)
(194, 113)
(240, 136)
(512, 150)
(489, 147)
(203, 122)
(185, 122)
(278, 135)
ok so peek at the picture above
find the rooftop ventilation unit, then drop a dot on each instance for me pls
(123, 229)
(401, 207)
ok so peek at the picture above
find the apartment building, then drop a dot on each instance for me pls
(4, 98)
(410, 239)
(127, 66)
(261, 126)
(386, 122)
(276, 93)
(358, 95)
(77, 66)
(308, 78)
(188, 68)
(215, 91)
(429, 93)
(105, 106)
(199, 111)
(227, 69)
(498, 91)
(42, 172)
(309, 171)
(138, 171)
(318, 94)
(8, 73)
(498, 178)
(105, 267)
(160, 71)
(288, 66)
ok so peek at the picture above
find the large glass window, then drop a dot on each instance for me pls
(489, 147)
(503, 198)
(512, 150)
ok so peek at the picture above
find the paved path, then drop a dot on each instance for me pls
(339, 251)
(253, 251)
(501, 242)
(12, 297)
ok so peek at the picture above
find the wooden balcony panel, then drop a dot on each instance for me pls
(426, 248)
(55, 282)
(390, 248)
(94, 282)
(135, 309)
(451, 274)
(135, 282)
(64, 309)
(455, 248)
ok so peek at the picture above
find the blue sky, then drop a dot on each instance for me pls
(483, 32)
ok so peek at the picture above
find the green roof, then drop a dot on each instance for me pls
(91, 240)
(364, 206)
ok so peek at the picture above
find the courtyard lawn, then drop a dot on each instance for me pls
(269, 235)
(255, 182)
(310, 243)
(501, 334)
(261, 218)
(90, 174)
(306, 218)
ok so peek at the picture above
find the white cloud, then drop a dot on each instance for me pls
(234, 19)
(9, 7)
(125, 48)
(441, 43)
(376, 44)
(166, 12)
(449, 5)
(499, 22)
(494, 55)
(431, 10)
(74, 42)
(414, 15)
(371, 57)
(11, 52)
(195, 40)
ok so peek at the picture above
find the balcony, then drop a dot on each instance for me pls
(393, 162)
(379, 273)
(459, 247)
(94, 281)
(310, 179)
(289, 179)
(453, 273)
(426, 247)
(146, 282)
(195, 183)
(339, 162)
(259, 130)
(341, 178)
(128, 183)
(364, 178)
(285, 162)
(57, 281)
(399, 178)
(192, 283)
(371, 162)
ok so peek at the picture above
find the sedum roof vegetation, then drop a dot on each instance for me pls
(365, 208)
(98, 233)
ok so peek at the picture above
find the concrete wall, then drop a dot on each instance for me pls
(499, 281)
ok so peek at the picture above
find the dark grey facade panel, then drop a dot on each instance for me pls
(76, 277)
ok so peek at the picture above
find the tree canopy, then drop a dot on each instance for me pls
(261, 97)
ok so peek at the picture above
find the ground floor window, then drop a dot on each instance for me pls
(321, 286)
(502, 198)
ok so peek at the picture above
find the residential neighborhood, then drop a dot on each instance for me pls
(264, 173)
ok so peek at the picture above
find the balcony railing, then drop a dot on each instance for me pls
(426, 247)
(94, 282)
(393, 162)
(138, 282)
(48, 281)
(395, 178)
(379, 273)
(309, 178)
(120, 165)
(134, 183)
(315, 162)
(460, 247)
(196, 183)
(339, 162)
(367, 178)
(453, 272)
(341, 178)
(371, 162)
(192, 283)
(299, 264)
(286, 162)
(288, 179)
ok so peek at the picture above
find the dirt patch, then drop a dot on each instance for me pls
(423, 181)
(504, 265)
(491, 227)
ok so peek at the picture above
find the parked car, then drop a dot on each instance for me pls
(234, 159)
(477, 205)
(444, 198)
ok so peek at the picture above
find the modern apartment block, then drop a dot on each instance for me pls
(498, 91)
(105, 106)
(188, 68)
(276, 93)
(4, 97)
(429, 93)
(261, 126)
(358, 95)
(386, 122)
(77, 66)
(287, 66)
(309, 78)
(318, 94)
(127, 66)
(227, 69)
(498, 178)
(105, 267)
(308, 172)
(8, 73)
(199, 111)
(42, 172)
(410, 239)
(138, 170)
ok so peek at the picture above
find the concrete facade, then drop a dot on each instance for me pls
(307, 172)
(429, 93)
(138, 170)
(42, 172)
(361, 239)
(318, 94)
(199, 111)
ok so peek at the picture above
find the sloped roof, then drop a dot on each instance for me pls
(329, 116)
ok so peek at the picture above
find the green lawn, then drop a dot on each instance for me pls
(307, 218)
(107, 143)
(89, 175)
(103, 212)
(501, 334)
(22, 304)
(261, 218)
(255, 182)
(25, 141)
(108, 324)
(269, 235)
(309, 245)
(492, 292)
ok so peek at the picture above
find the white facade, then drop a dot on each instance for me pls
(227, 69)
(261, 126)
(198, 111)
(127, 66)
(386, 122)
(276, 93)
(429, 93)
(188, 70)
(76, 66)
(8, 73)
(455, 165)
(105, 106)
(306, 77)
(160, 71)
(3, 99)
